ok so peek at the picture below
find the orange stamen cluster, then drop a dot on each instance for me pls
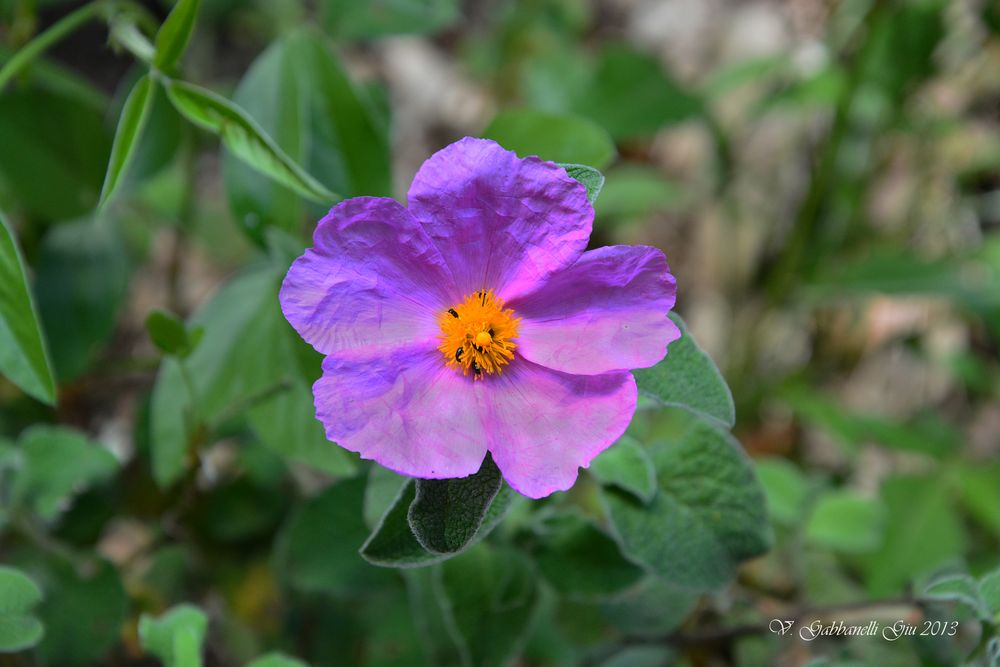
(477, 334)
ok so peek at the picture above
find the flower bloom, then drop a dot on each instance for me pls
(473, 321)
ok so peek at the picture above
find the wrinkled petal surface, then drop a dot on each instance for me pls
(544, 425)
(373, 280)
(404, 410)
(501, 222)
(606, 312)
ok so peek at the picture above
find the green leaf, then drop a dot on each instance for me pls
(23, 355)
(580, 561)
(175, 33)
(392, 542)
(626, 465)
(318, 547)
(978, 488)
(381, 492)
(786, 488)
(169, 334)
(276, 660)
(162, 136)
(298, 93)
(175, 637)
(957, 588)
(847, 522)
(19, 629)
(989, 591)
(81, 281)
(440, 646)
(131, 124)
(555, 137)
(55, 152)
(286, 423)
(591, 178)
(58, 464)
(688, 378)
(249, 361)
(446, 514)
(707, 516)
(84, 612)
(641, 656)
(631, 96)
(244, 138)
(924, 532)
(490, 598)
(652, 609)
(377, 18)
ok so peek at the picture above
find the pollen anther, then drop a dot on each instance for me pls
(477, 335)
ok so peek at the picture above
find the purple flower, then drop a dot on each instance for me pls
(472, 321)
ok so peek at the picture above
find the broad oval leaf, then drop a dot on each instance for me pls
(925, 532)
(555, 137)
(786, 488)
(446, 513)
(490, 598)
(960, 588)
(24, 358)
(169, 334)
(688, 378)
(55, 152)
(580, 561)
(632, 96)
(707, 516)
(317, 550)
(84, 613)
(131, 123)
(19, 595)
(81, 280)
(393, 543)
(627, 465)
(847, 522)
(175, 33)
(58, 464)
(654, 608)
(248, 357)
(298, 92)
(241, 135)
(989, 591)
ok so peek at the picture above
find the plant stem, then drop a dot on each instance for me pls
(44, 41)
(790, 261)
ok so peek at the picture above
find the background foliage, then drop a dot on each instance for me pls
(824, 176)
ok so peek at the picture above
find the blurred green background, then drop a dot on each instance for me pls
(823, 176)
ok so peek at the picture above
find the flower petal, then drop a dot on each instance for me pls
(606, 312)
(372, 280)
(403, 409)
(501, 222)
(543, 425)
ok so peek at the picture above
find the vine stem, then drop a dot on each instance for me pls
(44, 41)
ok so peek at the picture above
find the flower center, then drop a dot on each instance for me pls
(477, 334)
